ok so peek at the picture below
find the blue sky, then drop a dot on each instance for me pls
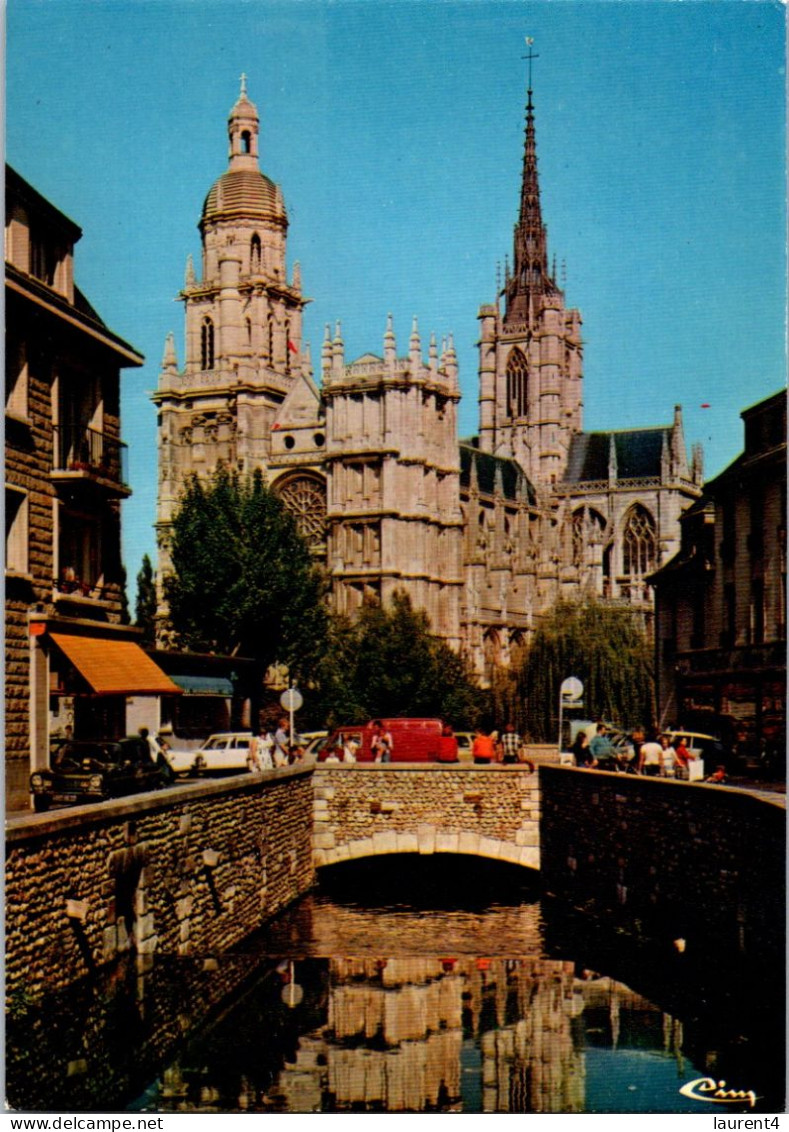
(395, 130)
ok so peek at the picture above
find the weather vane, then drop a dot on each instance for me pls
(530, 56)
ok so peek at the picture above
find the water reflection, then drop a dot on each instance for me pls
(461, 994)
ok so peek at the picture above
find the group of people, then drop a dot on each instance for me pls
(271, 749)
(654, 757)
(505, 747)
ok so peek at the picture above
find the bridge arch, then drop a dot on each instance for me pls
(370, 810)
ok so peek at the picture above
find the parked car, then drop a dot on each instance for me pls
(226, 751)
(704, 747)
(413, 740)
(88, 771)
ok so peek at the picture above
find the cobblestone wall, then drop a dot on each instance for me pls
(682, 860)
(186, 871)
(362, 811)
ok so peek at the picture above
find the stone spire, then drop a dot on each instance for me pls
(390, 345)
(530, 275)
(169, 361)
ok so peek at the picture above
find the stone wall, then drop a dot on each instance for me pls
(682, 860)
(189, 870)
(367, 810)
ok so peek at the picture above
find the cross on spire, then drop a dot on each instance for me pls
(530, 56)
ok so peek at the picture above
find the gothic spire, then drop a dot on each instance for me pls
(530, 274)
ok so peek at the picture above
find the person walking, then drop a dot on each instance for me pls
(281, 744)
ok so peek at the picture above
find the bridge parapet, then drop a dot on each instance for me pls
(367, 810)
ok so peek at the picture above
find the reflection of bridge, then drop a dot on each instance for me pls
(369, 810)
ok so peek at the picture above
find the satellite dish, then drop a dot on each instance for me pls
(572, 688)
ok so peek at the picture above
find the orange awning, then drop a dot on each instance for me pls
(115, 668)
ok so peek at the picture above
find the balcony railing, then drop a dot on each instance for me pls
(95, 454)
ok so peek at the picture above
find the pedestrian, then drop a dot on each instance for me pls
(349, 749)
(510, 744)
(381, 744)
(280, 751)
(600, 748)
(447, 745)
(580, 751)
(650, 759)
(483, 749)
(682, 759)
(669, 757)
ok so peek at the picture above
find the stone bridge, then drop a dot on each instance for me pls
(367, 810)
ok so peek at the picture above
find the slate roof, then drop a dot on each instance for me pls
(515, 484)
(638, 454)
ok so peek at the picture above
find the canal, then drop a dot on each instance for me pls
(452, 987)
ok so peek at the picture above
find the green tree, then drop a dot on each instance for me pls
(388, 663)
(145, 604)
(243, 580)
(604, 646)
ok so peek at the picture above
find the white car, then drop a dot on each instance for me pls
(225, 751)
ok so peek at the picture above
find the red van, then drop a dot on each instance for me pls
(413, 740)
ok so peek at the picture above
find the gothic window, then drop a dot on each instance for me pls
(207, 344)
(305, 498)
(255, 255)
(588, 527)
(517, 384)
(638, 544)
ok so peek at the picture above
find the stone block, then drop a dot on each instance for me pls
(109, 940)
(510, 853)
(530, 857)
(323, 840)
(468, 843)
(385, 842)
(320, 808)
(528, 835)
(183, 907)
(361, 848)
(320, 857)
(447, 842)
(407, 843)
(145, 926)
(148, 945)
(426, 838)
(489, 847)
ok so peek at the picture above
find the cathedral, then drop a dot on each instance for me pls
(485, 534)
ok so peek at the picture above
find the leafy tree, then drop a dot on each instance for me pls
(243, 580)
(145, 605)
(604, 646)
(387, 663)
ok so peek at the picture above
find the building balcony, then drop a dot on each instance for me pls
(85, 456)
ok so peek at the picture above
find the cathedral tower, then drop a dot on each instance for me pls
(531, 354)
(244, 362)
(393, 509)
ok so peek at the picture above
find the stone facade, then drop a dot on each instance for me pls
(364, 811)
(484, 536)
(65, 477)
(721, 601)
(185, 871)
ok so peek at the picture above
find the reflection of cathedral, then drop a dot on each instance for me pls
(484, 534)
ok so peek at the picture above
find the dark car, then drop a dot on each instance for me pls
(90, 771)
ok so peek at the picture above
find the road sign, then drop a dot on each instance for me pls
(572, 688)
(292, 699)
